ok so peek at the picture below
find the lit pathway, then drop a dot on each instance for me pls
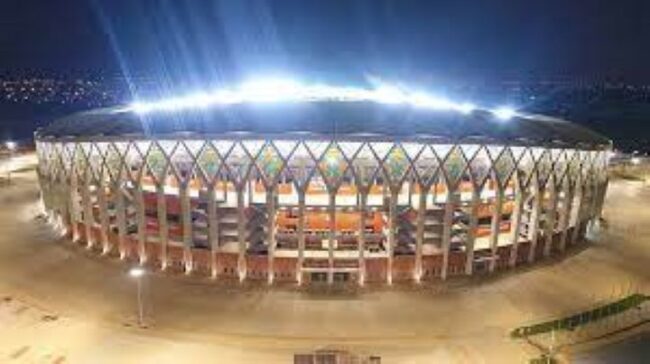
(204, 321)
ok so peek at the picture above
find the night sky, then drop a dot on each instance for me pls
(209, 40)
(184, 45)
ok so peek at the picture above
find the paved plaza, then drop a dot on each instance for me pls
(61, 304)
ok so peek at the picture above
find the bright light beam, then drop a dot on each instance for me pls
(287, 90)
(504, 113)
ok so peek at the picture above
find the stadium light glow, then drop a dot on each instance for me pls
(504, 113)
(271, 90)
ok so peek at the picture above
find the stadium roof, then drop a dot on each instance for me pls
(325, 119)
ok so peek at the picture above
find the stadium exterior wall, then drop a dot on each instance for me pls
(301, 209)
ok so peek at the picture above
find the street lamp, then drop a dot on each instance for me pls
(138, 273)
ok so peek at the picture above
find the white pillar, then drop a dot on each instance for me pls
(601, 197)
(163, 228)
(301, 235)
(241, 231)
(363, 201)
(331, 236)
(550, 217)
(534, 222)
(392, 217)
(142, 222)
(186, 213)
(213, 229)
(419, 240)
(471, 233)
(103, 216)
(515, 220)
(120, 216)
(446, 232)
(74, 204)
(566, 214)
(579, 192)
(270, 209)
(88, 210)
(495, 228)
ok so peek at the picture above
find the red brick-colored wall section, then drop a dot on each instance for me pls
(132, 248)
(202, 261)
(175, 262)
(96, 234)
(113, 244)
(456, 265)
(257, 267)
(285, 269)
(227, 265)
(153, 253)
(68, 230)
(81, 229)
(403, 268)
(376, 269)
(431, 266)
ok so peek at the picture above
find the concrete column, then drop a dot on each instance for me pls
(270, 209)
(163, 227)
(595, 196)
(74, 205)
(495, 227)
(471, 233)
(186, 213)
(241, 233)
(575, 220)
(363, 202)
(142, 222)
(601, 198)
(392, 217)
(88, 211)
(533, 229)
(103, 217)
(301, 235)
(566, 215)
(446, 232)
(419, 239)
(331, 235)
(515, 220)
(584, 208)
(59, 202)
(120, 216)
(550, 217)
(213, 229)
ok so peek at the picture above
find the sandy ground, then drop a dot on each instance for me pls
(64, 305)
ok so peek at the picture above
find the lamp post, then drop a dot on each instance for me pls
(138, 273)
(11, 147)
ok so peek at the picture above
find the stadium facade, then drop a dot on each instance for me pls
(322, 191)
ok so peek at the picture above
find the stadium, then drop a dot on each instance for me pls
(322, 185)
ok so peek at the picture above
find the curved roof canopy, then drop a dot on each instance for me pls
(326, 119)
